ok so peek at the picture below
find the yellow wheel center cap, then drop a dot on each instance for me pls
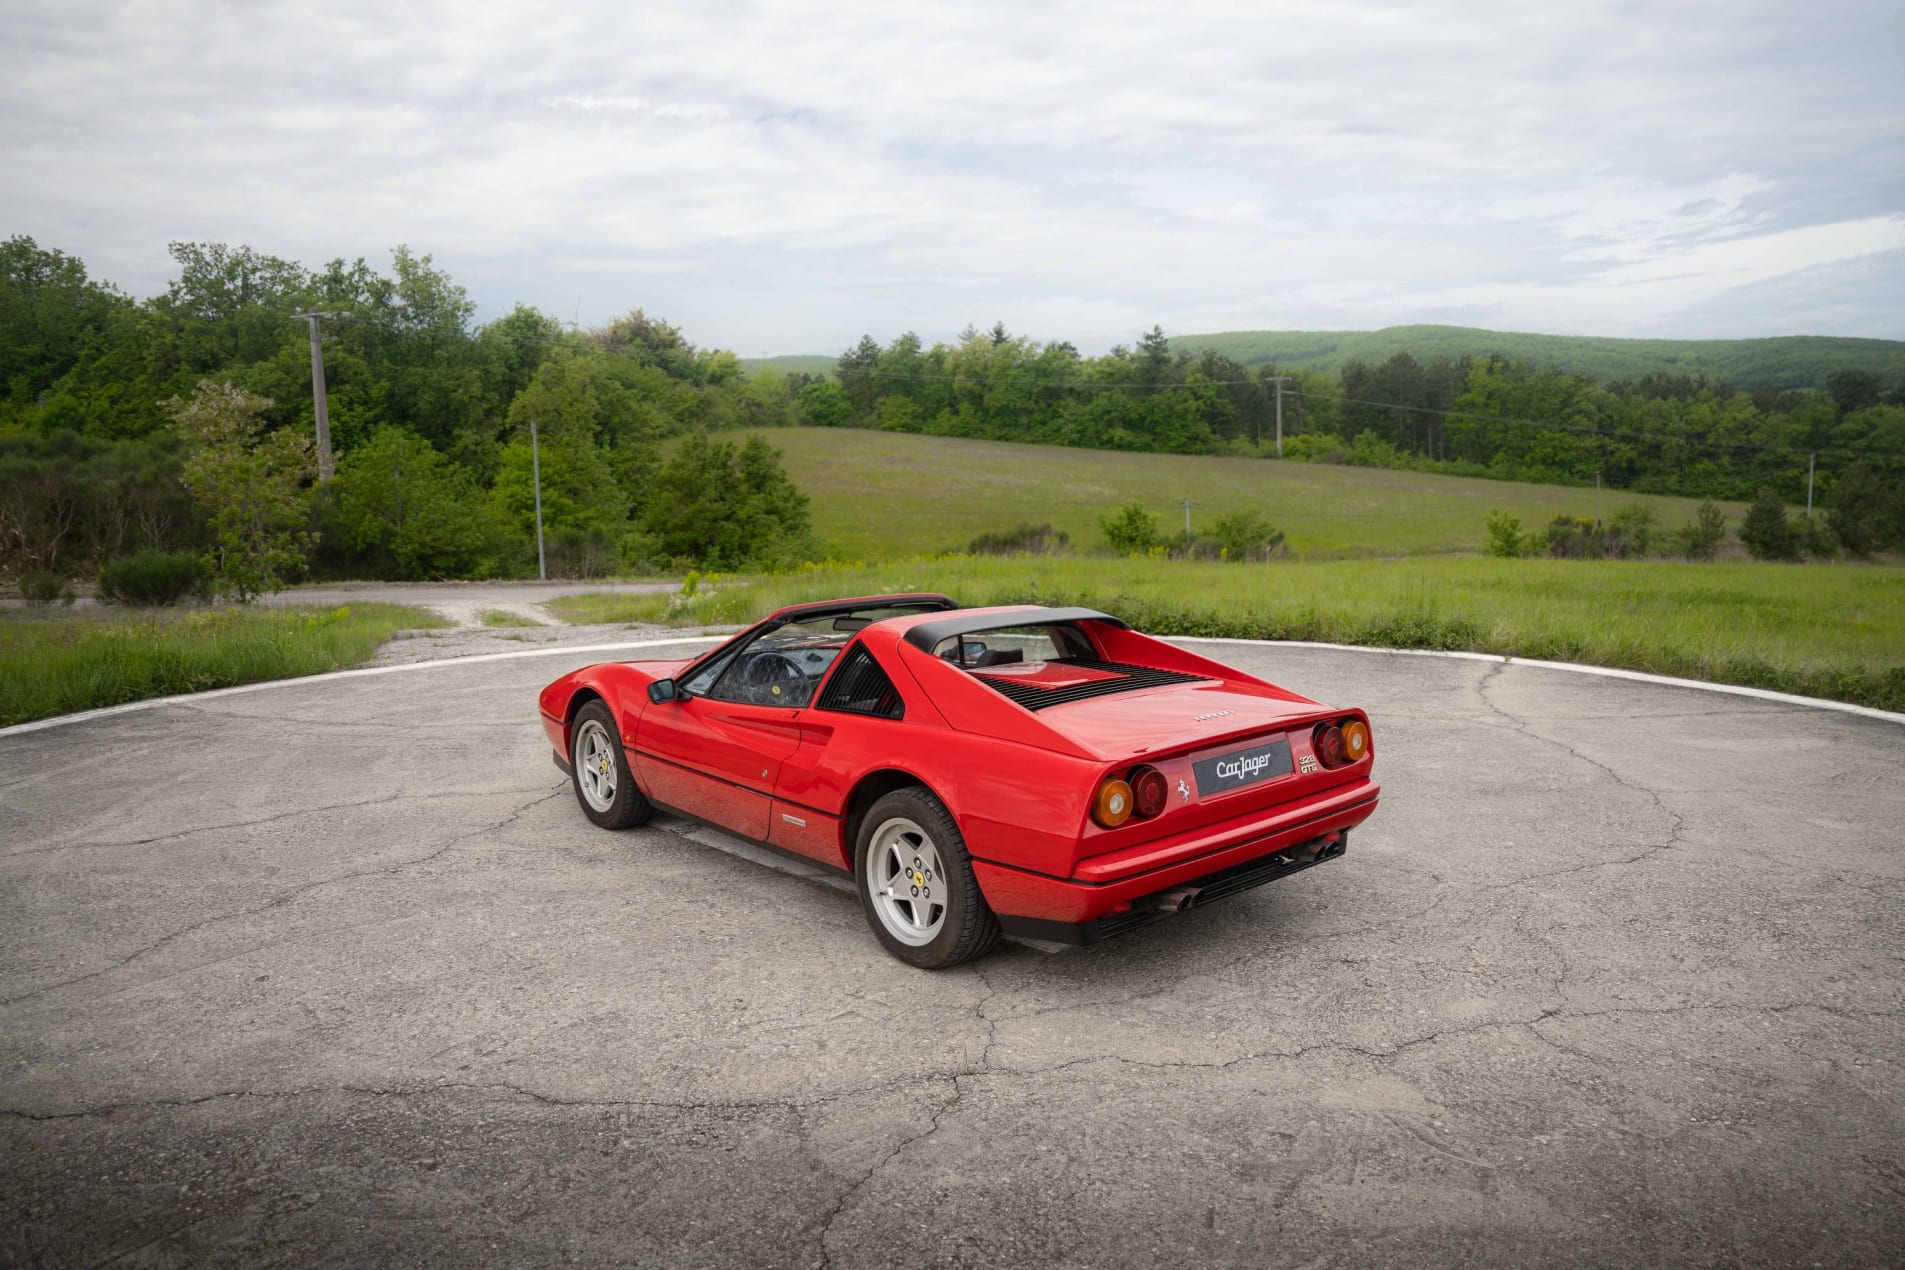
(919, 879)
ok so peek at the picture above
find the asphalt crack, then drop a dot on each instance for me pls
(286, 897)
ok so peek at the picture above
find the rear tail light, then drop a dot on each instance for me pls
(1113, 804)
(1150, 790)
(1327, 741)
(1340, 744)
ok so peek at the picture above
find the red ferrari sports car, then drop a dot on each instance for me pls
(1047, 773)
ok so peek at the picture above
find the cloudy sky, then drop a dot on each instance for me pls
(783, 177)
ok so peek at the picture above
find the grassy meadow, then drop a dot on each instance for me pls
(888, 495)
(102, 657)
(1835, 631)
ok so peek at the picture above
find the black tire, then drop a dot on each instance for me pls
(614, 802)
(966, 927)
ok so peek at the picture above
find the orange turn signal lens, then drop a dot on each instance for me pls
(1355, 740)
(1112, 806)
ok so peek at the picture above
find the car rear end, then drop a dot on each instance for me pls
(1191, 823)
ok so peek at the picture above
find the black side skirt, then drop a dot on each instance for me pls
(1210, 887)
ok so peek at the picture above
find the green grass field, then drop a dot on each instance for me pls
(887, 495)
(102, 657)
(1835, 631)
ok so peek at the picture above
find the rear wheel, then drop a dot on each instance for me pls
(599, 770)
(916, 883)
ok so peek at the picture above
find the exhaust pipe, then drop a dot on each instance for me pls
(1174, 901)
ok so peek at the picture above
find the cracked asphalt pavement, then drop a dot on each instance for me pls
(338, 973)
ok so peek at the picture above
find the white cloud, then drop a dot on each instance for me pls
(787, 176)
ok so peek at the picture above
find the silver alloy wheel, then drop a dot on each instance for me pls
(595, 765)
(907, 882)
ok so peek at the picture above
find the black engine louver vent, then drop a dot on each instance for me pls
(1130, 679)
(859, 686)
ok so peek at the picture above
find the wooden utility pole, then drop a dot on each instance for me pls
(1811, 459)
(1281, 379)
(320, 405)
(1187, 524)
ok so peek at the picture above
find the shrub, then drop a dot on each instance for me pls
(1634, 528)
(150, 578)
(1766, 531)
(1575, 538)
(1701, 539)
(1027, 539)
(1857, 512)
(1132, 531)
(1505, 537)
(1245, 535)
(1814, 534)
(40, 587)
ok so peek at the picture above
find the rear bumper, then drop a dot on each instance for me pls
(1173, 900)
(1106, 890)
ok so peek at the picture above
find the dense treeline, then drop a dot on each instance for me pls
(1486, 417)
(1782, 361)
(182, 423)
(429, 413)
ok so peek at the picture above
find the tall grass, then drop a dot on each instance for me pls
(1834, 631)
(103, 658)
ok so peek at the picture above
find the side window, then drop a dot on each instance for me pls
(861, 687)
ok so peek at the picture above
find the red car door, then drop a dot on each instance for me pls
(716, 760)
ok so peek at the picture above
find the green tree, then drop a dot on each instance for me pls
(1131, 530)
(1857, 509)
(824, 405)
(1766, 531)
(722, 507)
(247, 484)
(1701, 538)
(409, 510)
(1504, 535)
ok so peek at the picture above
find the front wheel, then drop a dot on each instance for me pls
(598, 767)
(916, 883)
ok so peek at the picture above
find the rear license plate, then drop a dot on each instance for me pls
(1239, 768)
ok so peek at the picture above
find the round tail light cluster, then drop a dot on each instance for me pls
(1139, 794)
(1340, 744)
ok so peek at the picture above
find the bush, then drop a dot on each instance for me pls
(1766, 531)
(1857, 514)
(1505, 538)
(1244, 535)
(1132, 531)
(1814, 535)
(1701, 539)
(150, 578)
(1034, 540)
(1575, 538)
(40, 587)
(1633, 529)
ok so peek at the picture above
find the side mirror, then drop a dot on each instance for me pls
(662, 690)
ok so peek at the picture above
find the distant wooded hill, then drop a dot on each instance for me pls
(1787, 361)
